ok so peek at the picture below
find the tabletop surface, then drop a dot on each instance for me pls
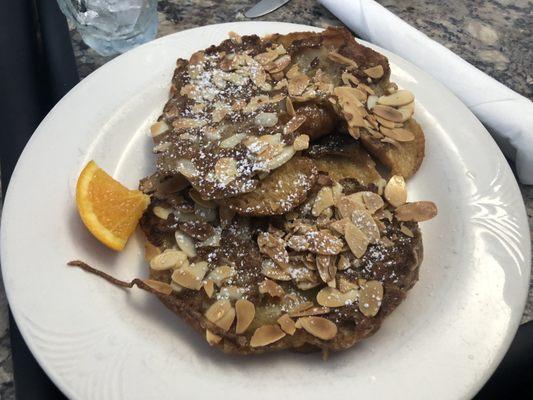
(494, 35)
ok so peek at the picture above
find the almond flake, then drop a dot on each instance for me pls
(159, 128)
(348, 79)
(195, 196)
(211, 338)
(226, 321)
(391, 88)
(286, 324)
(370, 298)
(226, 170)
(326, 268)
(372, 201)
(418, 211)
(398, 134)
(185, 243)
(168, 259)
(150, 251)
(343, 263)
(190, 276)
(245, 311)
(338, 225)
(294, 123)
(158, 286)
(346, 286)
(273, 271)
(298, 84)
(407, 111)
(339, 58)
(310, 311)
(363, 220)
(397, 99)
(217, 310)
(209, 288)
(319, 327)
(235, 37)
(395, 191)
(290, 107)
(331, 297)
(279, 64)
(271, 288)
(273, 247)
(323, 242)
(388, 113)
(301, 143)
(356, 239)
(323, 200)
(374, 72)
(265, 335)
(221, 274)
(231, 292)
(406, 231)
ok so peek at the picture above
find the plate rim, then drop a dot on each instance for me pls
(15, 181)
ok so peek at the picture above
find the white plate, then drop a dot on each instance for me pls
(99, 342)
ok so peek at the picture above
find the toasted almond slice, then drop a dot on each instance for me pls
(159, 128)
(325, 243)
(227, 320)
(290, 107)
(161, 212)
(327, 268)
(226, 170)
(339, 58)
(407, 111)
(331, 297)
(298, 84)
(406, 231)
(265, 335)
(370, 297)
(231, 292)
(185, 243)
(271, 288)
(356, 239)
(209, 288)
(373, 201)
(418, 211)
(300, 307)
(211, 338)
(301, 143)
(235, 37)
(348, 79)
(398, 134)
(278, 64)
(150, 251)
(343, 263)
(363, 220)
(395, 191)
(319, 327)
(217, 310)
(274, 247)
(161, 287)
(286, 324)
(310, 311)
(391, 88)
(339, 225)
(168, 259)
(245, 311)
(221, 274)
(388, 113)
(346, 286)
(273, 271)
(397, 99)
(386, 123)
(280, 159)
(374, 72)
(191, 276)
(371, 102)
(354, 132)
(195, 196)
(324, 199)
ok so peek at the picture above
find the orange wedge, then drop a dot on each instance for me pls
(108, 209)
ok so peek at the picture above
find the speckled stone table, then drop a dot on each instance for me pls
(494, 35)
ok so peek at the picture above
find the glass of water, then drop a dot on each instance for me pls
(112, 26)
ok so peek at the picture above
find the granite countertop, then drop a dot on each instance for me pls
(495, 35)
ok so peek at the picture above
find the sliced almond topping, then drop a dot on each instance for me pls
(406, 231)
(310, 311)
(374, 72)
(298, 84)
(235, 37)
(388, 113)
(284, 156)
(266, 119)
(348, 79)
(339, 58)
(217, 310)
(231, 292)
(347, 204)
(357, 240)
(391, 88)
(373, 201)
(343, 263)
(354, 132)
(395, 191)
(185, 243)
(188, 123)
(391, 141)
(304, 278)
(195, 196)
(211, 338)
(265, 335)
(279, 64)
(301, 143)
(226, 320)
(319, 327)
(324, 242)
(294, 123)
(371, 102)
(221, 274)
(209, 288)
(150, 251)
(331, 297)
(168, 259)
(324, 199)
(245, 311)
(271, 288)
(407, 111)
(290, 107)
(159, 128)
(370, 297)
(286, 324)
(346, 286)
(386, 123)
(326, 268)
(274, 247)
(161, 287)
(398, 134)
(161, 212)
(397, 99)
(300, 307)
(363, 220)
(273, 271)
(338, 225)
(418, 211)
(191, 276)
(226, 170)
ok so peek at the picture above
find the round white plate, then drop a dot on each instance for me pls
(97, 341)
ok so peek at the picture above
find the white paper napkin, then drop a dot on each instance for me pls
(506, 114)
